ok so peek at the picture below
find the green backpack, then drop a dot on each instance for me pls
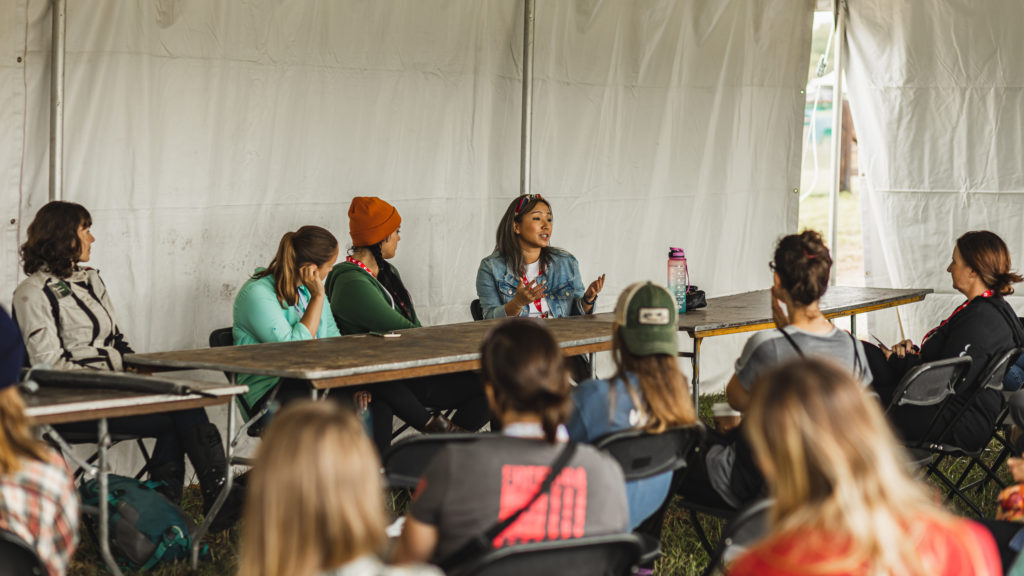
(145, 528)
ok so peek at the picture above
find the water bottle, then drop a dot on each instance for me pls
(678, 277)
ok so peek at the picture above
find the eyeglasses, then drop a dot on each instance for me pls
(526, 199)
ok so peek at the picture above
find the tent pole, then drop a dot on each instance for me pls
(57, 99)
(837, 142)
(527, 127)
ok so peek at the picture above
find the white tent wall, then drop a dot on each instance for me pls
(937, 95)
(197, 132)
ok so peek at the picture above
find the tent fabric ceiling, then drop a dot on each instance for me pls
(199, 132)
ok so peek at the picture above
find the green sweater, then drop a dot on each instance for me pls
(361, 304)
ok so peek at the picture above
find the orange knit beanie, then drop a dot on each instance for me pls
(371, 220)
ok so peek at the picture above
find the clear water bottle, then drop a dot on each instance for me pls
(678, 277)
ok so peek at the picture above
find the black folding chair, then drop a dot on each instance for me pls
(612, 555)
(404, 462)
(19, 558)
(990, 379)
(747, 528)
(643, 455)
(253, 417)
(476, 310)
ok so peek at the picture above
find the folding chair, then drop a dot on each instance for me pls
(643, 455)
(253, 419)
(991, 378)
(476, 310)
(405, 461)
(612, 555)
(928, 384)
(19, 557)
(747, 528)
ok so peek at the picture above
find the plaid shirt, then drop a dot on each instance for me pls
(39, 504)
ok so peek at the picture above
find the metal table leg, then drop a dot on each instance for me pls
(229, 444)
(853, 325)
(104, 511)
(695, 364)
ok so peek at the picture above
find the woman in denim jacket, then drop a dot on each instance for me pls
(525, 276)
(504, 282)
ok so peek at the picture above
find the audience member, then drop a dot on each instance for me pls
(67, 321)
(647, 391)
(470, 487)
(285, 302)
(983, 327)
(366, 294)
(845, 503)
(801, 264)
(526, 276)
(315, 502)
(38, 502)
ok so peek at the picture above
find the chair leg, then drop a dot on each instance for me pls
(697, 527)
(954, 491)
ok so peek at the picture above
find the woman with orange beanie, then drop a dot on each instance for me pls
(366, 294)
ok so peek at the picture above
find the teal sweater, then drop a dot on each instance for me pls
(259, 317)
(361, 304)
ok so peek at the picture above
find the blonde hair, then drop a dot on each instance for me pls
(835, 468)
(666, 402)
(315, 496)
(16, 441)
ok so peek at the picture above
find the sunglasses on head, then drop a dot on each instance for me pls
(524, 200)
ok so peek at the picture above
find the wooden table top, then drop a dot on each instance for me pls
(363, 359)
(59, 404)
(751, 311)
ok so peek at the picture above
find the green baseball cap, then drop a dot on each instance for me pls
(646, 315)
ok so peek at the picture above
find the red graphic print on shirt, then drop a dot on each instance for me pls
(558, 515)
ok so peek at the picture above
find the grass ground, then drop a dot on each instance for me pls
(682, 553)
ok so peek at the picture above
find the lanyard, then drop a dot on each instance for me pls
(985, 294)
(537, 302)
(352, 260)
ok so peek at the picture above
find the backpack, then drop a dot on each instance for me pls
(145, 528)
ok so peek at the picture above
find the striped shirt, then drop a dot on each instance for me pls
(69, 322)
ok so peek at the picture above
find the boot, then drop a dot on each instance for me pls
(206, 452)
(172, 474)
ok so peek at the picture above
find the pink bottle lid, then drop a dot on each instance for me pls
(676, 254)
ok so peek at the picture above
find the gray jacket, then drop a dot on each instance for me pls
(69, 322)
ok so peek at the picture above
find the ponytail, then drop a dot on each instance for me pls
(307, 245)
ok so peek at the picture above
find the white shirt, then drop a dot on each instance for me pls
(532, 272)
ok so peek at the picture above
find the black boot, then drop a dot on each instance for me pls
(172, 474)
(206, 452)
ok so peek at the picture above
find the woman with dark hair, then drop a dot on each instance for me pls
(983, 327)
(286, 302)
(67, 321)
(526, 276)
(469, 487)
(845, 502)
(801, 264)
(367, 294)
(647, 391)
(38, 501)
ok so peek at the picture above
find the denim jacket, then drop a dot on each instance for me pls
(496, 285)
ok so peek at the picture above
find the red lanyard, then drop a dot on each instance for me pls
(536, 302)
(352, 260)
(985, 294)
